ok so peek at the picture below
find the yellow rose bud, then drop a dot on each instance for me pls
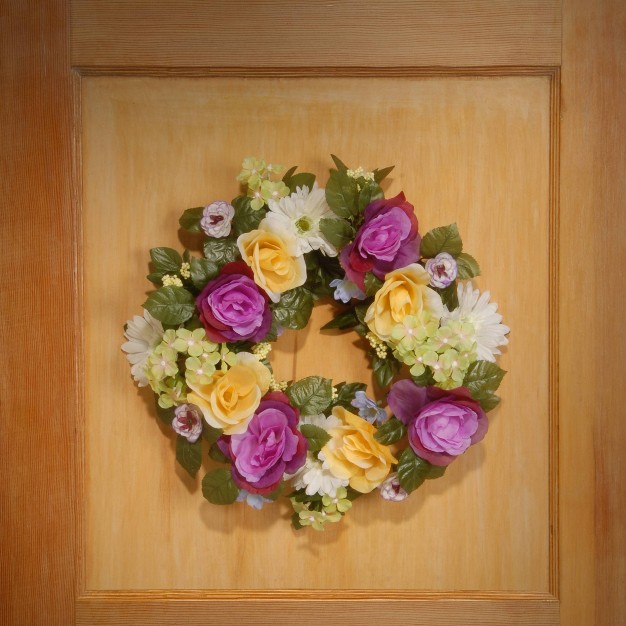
(354, 455)
(231, 398)
(404, 292)
(273, 259)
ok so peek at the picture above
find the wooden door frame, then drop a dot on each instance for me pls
(41, 561)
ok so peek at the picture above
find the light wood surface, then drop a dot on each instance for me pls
(151, 148)
(273, 33)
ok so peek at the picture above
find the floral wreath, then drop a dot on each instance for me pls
(203, 342)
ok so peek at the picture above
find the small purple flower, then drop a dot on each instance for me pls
(271, 446)
(233, 307)
(443, 270)
(216, 219)
(187, 422)
(345, 290)
(391, 490)
(387, 240)
(368, 409)
(253, 500)
(441, 423)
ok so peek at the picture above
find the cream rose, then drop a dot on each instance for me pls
(272, 255)
(404, 292)
(354, 455)
(231, 398)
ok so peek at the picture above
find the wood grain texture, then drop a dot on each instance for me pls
(151, 149)
(593, 215)
(141, 610)
(38, 329)
(175, 33)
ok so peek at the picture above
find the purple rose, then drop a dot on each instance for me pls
(441, 423)
(233, 308)
(387, 240)
(271, 446)
(187, 422)
(442, 269)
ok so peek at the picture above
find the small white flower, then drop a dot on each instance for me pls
(315, 477)
(345, 290)
(143, 334)
(217, 218)
(300, 214)
(478, 311)
(391, 490)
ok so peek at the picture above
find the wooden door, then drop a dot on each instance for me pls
(501, 116)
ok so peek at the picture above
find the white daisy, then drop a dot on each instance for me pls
(143, 334)
(300, 214)
(476, 309)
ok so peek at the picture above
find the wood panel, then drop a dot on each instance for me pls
(174, 33)
(470, 150)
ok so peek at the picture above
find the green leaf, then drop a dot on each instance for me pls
(166, 260)
(361, 310)
(246, 218)
(441, 239)
(412, 471)
(202, 271)
(337, 231)
(171, 305)
(344, 320)
(370, 192)
(218, 487)
(299, 180)
(189, 455)
(288, 174)
(293, 310)
(488, 400)
(341, 166)
(346, 392)
(221, 251)
(381, 174)
(312, 395)
(436, 471)
(467, 266)
(217, 455)
(390, 431)
(190, 219)
(425, 379)
(295, 522)
(449, 296)
(165, 415)
(384, 370)
(316, 436)
(341, 194)
(483, 376)
(372, 284)
(210, 433)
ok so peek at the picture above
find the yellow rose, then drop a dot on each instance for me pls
(272, 255)
(404, 292)
(231, 398)
(354, 455)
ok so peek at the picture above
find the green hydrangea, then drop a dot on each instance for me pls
(339, 503)
(316, 519)
(193, 342)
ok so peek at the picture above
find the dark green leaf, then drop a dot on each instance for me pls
(390, 431)
(425, 379)
(442, 239)
(372, 284)
(341, 166)
(344, 320)
(211, 434)
(346, 392)
(337, 231)
(384, 370)
(202, 271)
(435, 471)
(165, 415)
(190, 219)
(316, 436)
(449, 296)
(189, 455)
(288, 174)
(381, 174)
(341, 194)
(295, 522)
(312, 395)
(246, 218)
(467, 266)
(218, 487)
(361, 310)
(293, 310)
(217, 455)
(370, 192)
(488, 400)
(155, 278)
(221, 251)
(412, 471)
(483, 376)
(166, 260)
(300, 180)
(171, 305)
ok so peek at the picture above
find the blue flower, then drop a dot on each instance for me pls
(345, 290)
(368, 409)
(252, 499)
